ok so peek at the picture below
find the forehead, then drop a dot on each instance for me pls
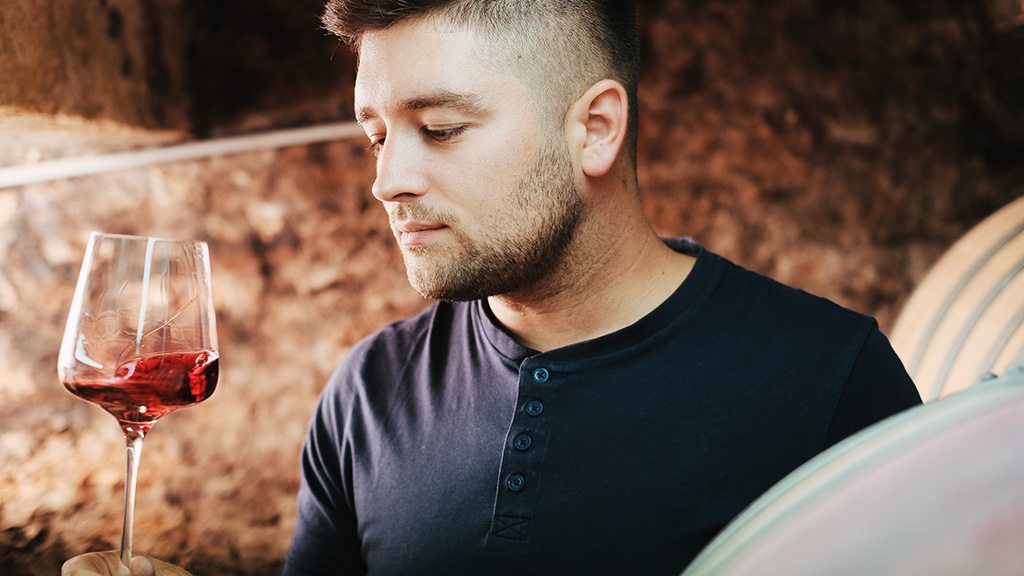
(425, 57)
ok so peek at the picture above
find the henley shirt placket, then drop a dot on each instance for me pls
(519, 476)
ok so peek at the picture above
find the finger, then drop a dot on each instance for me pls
(92, 564)
(141, 566)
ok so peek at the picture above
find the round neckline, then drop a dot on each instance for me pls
(686, 295)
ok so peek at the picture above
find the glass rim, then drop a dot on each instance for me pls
(96, 234)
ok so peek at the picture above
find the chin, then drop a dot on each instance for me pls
(437, 287)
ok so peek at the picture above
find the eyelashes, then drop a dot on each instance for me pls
(443, 134)
(437, 135)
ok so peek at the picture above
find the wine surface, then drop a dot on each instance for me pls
(145, 388)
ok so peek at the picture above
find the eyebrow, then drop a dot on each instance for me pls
(445, 99)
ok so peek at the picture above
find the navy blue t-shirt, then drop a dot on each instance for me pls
(442, 446)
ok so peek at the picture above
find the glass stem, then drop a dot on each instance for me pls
(133, 438)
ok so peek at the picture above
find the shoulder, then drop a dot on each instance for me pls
(753, 295)
(733, 292)
(398, 344)
(400, 336)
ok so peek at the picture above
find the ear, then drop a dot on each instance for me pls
(600, 120)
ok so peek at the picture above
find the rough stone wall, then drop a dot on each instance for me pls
(188, 65)
(114, 59)
(838, 146)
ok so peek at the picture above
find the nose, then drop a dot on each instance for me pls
(399, 171)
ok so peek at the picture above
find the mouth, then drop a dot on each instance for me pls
(416, 233)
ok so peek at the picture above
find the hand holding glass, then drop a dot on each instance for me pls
(141, 338)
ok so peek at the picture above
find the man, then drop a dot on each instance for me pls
(585, 397)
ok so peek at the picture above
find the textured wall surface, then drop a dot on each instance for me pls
(838, 146)
(193, 65)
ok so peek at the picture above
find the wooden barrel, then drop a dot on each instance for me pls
(933, 490)
(966, 318)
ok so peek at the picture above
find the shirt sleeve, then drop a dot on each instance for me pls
(878, 387)
(325, 540)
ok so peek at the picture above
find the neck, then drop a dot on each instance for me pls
(616, 272)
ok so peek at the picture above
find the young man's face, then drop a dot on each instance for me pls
(481, 196)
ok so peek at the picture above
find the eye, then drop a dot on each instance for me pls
(443, 134)
(375, 145)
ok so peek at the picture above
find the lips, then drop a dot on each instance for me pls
(405, 227)
(416, 233)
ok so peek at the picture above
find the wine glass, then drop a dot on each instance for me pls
(141, 338)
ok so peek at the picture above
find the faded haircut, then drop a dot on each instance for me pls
(565, 46)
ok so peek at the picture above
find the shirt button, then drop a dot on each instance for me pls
(534, 408)
(541, 375)
(515, 482)
(522, 442)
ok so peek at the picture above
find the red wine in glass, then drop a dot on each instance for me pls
(146, 388)
(141, 338)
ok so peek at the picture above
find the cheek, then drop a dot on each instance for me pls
(492, 173)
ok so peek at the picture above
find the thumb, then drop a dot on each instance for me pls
(141, 566)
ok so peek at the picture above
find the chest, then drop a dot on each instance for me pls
(490, 466)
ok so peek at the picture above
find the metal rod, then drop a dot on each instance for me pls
(62, 168)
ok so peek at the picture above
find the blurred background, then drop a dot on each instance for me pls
(839, 146)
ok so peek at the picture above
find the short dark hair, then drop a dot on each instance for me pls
(593, 39)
